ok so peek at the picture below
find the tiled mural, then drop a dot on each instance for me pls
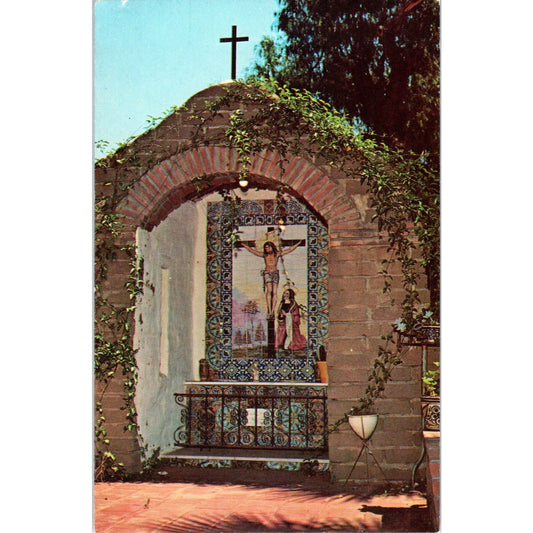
(267, 297)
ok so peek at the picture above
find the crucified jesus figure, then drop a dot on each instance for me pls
(271, 254)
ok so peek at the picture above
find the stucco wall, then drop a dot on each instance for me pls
(179, 245)
(173, 246)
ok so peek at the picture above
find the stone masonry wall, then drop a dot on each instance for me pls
(359, 311)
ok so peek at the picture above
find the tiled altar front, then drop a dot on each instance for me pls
(253, 415)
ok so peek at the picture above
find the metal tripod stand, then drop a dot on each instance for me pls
(364, 428)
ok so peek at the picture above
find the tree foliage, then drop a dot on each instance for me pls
(375, 60)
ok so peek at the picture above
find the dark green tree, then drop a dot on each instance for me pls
(375, 60)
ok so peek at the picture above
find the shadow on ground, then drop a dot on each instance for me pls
(241, 524)
(414, 519)
(303, 489)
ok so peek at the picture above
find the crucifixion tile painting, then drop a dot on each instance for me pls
(267, 314)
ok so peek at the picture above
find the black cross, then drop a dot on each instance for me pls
(284, 242)
(233, 40)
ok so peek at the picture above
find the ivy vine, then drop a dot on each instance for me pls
(113, 329)
(113, 349)
(403, 189)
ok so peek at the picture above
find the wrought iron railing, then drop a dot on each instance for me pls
(252, 421)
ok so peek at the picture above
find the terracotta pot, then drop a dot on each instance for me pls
(363, 425)
(430, 412)
(322, 371)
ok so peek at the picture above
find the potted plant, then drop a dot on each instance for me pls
(363, 418)
(430, 401)
(321, 365)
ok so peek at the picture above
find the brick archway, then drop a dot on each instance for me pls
(168, 184)
(359, 312)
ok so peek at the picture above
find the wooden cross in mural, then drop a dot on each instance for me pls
(233, 40)
(271, 279)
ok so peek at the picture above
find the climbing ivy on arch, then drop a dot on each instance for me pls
(403, 189)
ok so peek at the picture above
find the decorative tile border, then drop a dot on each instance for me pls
(268, 369)
(259, 390)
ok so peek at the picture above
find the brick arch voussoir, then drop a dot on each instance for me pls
(311, 184)
(168, 184)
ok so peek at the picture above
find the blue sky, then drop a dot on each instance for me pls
(150, 55)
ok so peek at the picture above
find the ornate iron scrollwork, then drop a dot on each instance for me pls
(219, 418)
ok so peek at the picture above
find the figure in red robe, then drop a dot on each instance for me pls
(288, 335)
